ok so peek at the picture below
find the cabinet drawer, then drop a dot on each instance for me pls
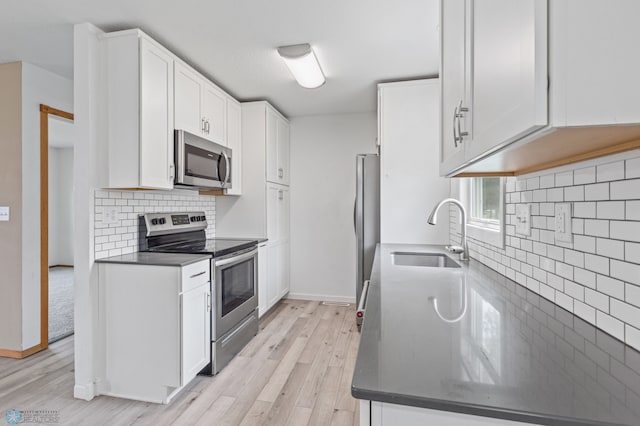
(195, 275)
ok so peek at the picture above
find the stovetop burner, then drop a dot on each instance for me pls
(215, 246)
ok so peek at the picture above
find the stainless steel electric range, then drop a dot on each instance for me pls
(234, 270)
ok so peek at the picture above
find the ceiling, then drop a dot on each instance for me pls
(358, 42)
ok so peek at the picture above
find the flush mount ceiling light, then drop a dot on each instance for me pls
(303, 64)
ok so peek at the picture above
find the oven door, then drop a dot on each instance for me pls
(200, 162)
(235, 289)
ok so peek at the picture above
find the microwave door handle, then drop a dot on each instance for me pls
(227, 169)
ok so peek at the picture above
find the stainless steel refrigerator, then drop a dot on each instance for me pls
(366, 215)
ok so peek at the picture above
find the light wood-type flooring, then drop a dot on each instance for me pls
(296, 371)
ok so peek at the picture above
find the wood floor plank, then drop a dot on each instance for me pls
(286, 400)
(324, 405)
(303, 349)
(299, 416)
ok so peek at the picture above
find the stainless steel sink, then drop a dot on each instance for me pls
(430, 260)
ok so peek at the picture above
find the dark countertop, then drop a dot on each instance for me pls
(511, 355)
(156, 259)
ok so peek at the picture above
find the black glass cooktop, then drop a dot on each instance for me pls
(216, 247)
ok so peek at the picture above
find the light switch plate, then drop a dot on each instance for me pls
(5, 213)
(110, 215)
(523, 219)
(563, 223)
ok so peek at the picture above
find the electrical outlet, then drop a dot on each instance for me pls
(563, 222)
(110, 215)
(523, 219)
(4, 213)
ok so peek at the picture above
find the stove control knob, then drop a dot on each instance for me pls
(162, 221)
(203, 218)
(154, 221)
(194, 218)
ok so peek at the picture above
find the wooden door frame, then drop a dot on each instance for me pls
(45, 112)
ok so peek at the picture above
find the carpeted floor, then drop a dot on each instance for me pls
(60, 303)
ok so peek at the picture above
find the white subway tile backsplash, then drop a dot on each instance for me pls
(625, 190)
(596, 228)
(584, 209)
(629, 272)
(584, 277)
(632, 294)
(610, 286)
(122, 237)
(611, 171)
(547, 181)
(632, 252)
(611, 325)
(625, 312)
(610, 248)
(596, 299)
(625, 230)
(584, 175)
(574, 193)
(595, 192)
(564, 178)
(597, 275)
(632, 211)
(632, 168)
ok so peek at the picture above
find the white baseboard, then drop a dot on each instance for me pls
(321, 297)
(85, 392)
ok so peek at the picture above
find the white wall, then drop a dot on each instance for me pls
(323, 159)
(60, 206)
(38, 87)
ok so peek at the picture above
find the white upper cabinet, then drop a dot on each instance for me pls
(531, 84)
(277, 148)
(139, 118)
(189, 88)
(234, 141)
(200, 106)
(452, 81)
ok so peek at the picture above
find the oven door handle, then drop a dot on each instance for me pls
(236, 259)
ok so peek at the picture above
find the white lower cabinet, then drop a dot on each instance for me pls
(273, 274)
(373, 413)
(154, 329)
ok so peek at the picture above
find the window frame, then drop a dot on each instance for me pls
(486, 230)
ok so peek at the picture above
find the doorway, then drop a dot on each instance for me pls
(56, 219)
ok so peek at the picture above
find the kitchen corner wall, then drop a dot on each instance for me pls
(597, 276)
(121, 237)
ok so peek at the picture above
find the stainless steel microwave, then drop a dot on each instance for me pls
(201, 163)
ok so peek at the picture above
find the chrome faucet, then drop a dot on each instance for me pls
(464, 250)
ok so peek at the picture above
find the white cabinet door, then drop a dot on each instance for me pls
(272, 145)
(188, 100)
(274, 271)
(283, 213)
(273, 206)
(283, 151)
(284, 276)
(156, 116)
(196, 331)
(508, 73)
(234, 141)
(214, 106)
(453, 62)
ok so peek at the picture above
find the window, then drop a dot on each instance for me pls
(485, 200)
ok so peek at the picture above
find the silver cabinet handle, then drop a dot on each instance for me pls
(280, 172)
(227, 171)
(208, 126)
(208, 301)
(455, 119)
(460, 114)
(198, 274)
(280, 194)
(204, 126)
(172, 174)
